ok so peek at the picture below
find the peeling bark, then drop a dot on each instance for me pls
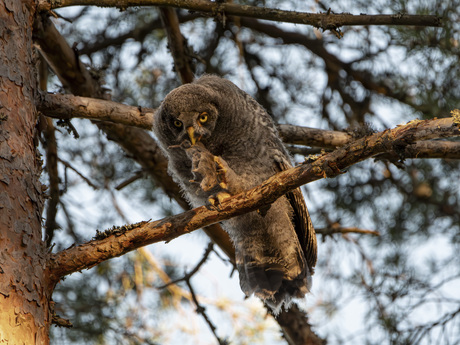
(24, 292)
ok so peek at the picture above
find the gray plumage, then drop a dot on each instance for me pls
(275, 248)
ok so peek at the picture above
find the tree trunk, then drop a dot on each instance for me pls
(24, 288)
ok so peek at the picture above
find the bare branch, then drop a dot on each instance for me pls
(89, 254)
(318, 47)
(190, 274)
(296, 328)
(325, 21)
(138, 33)
(336, 228)
(428, 149)
(50, 145)
(64, 60)
(135, 177)
(298, 135)
(201, 310)
(177, 44)
(84, 178)
(69, 106)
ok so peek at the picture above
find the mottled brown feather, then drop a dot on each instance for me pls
(302, 223)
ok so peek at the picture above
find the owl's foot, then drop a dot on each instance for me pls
(203, 167)
(211, 172)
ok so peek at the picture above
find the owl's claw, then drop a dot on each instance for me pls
(263, 210)
(216, 200)
(221, 170)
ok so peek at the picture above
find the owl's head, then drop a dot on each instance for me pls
(187, 113)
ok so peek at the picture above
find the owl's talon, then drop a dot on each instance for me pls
(222, 196)
(217, 200)
(263, 210)
(221, 170)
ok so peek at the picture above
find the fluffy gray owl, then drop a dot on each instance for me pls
(219, 141)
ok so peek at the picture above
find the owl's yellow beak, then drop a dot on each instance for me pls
(191, 134)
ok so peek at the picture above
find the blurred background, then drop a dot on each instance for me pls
(399, 287)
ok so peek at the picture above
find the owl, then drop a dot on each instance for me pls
(219, 142)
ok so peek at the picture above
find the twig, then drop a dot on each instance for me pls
(420, 331)
(139, 33)
(190, 274)
(61, 322)
(336, 228)
(50, 144)
(70, 226)
(202, 311)
(135, 177)
(69, 166)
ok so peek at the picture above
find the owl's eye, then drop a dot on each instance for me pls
(203, 117)
(177, 123)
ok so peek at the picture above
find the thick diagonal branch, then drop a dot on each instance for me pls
(92, 253)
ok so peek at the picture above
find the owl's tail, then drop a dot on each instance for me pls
(275, 280)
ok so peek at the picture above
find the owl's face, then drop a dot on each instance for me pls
(186, 115)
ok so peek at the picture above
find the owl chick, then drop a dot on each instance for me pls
(219, 141)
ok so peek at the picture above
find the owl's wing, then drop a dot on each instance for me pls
(302, 223)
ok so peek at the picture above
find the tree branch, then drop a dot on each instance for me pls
(325, 21)
(177, 44)
(189, 275)
(293, 325)
(201, 310)
(50, 145)
(138, 33)
(333, 63)
(307, 136)
(63, 60)
(92, 253)
(336, 228)
(69, 106)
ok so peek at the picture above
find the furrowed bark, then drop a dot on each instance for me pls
(25, 292)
